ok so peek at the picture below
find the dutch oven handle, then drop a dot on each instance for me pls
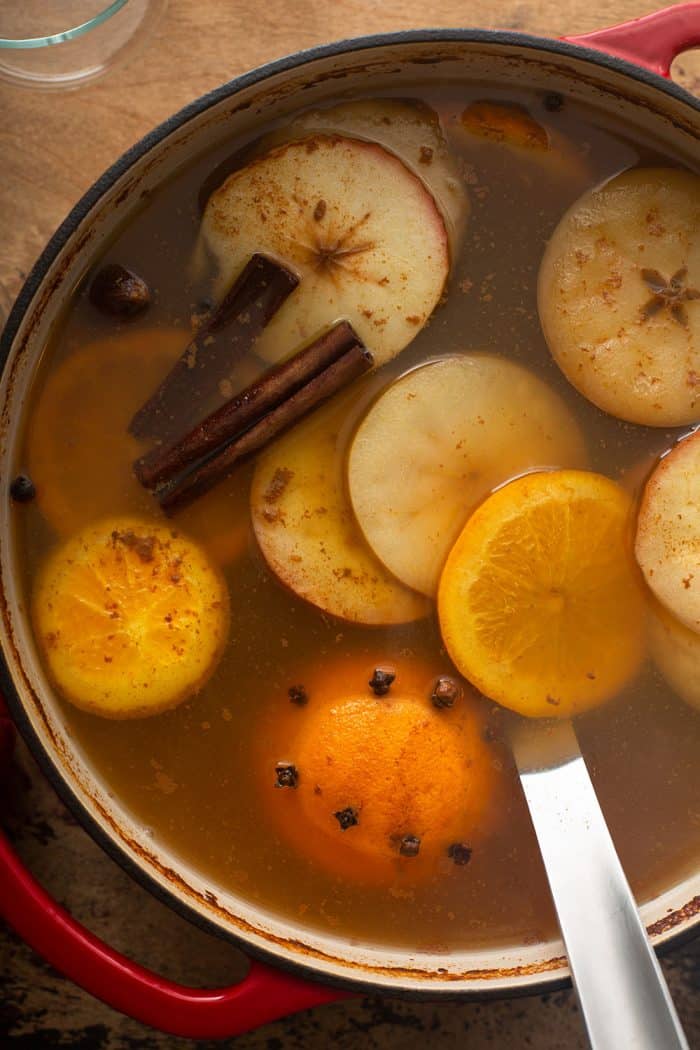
(652, 41)
(264, 995)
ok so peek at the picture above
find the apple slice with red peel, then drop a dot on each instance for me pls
(304, 524)
(408, 128)
(437, 442)
(363, 232)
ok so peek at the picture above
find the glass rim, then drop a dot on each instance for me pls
(25, 43)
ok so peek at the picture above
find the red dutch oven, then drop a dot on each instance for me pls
(623, 70)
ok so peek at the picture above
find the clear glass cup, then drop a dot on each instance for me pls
(65, 43)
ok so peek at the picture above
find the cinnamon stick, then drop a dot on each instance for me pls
(254, 297)
(206, 475)
(162, 464)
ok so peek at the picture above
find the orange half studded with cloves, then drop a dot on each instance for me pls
(390, 783)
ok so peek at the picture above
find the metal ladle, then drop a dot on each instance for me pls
(621, 990)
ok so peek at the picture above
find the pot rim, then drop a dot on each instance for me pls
(295, 60)
(497, 988)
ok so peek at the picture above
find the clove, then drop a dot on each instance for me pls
(287, 775)
(381, 681)
(298, 695)
(409, 846)
(347, 818)
(460, 853)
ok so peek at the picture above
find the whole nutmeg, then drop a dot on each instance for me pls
(119, 292)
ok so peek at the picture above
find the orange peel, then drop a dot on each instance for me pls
(131, 617)
(80, 454)
(540, 602)
(404, 767)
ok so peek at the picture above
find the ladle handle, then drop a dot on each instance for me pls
(264, 995)
(652, 41)
(622, 992)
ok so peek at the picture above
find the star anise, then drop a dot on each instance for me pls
(331, 251)
(671, 294)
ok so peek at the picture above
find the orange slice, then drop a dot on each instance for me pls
(131, 617)
(487, 130)
(405, 769)
(80, 453)
(540, 602)
(505, 123)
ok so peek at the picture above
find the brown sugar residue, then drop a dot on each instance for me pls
(486, 288)
(174, 567)
(278, 483)
(613, 283)
(163, 782)
(656, 228)
(142, 546)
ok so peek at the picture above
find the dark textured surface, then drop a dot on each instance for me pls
(39, 1009)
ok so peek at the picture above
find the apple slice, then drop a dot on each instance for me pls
(363, 232)
(668, 531)
(676, 652)
(408, 128)
(304, 524)
(437, 442)
(619, 296)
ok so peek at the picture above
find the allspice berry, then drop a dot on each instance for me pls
(446, 692)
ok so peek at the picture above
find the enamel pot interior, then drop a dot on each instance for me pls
(388, 64)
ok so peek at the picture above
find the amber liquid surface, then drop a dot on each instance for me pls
(190, 776)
